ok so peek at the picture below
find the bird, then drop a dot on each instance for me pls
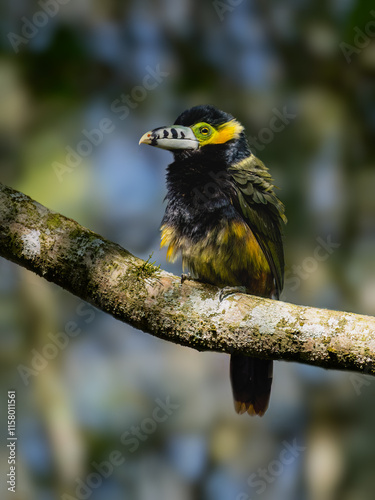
(224, 218)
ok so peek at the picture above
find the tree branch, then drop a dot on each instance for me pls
(191, 314)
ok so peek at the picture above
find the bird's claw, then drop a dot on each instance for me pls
(185, 277)
(230, 290)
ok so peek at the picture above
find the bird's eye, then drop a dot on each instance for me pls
(205, 130)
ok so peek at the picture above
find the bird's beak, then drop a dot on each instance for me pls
(171, 138)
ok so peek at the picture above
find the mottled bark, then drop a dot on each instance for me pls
(190, 313)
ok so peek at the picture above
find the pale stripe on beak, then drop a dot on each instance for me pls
(175, 137)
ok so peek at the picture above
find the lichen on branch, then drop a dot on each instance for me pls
(189, 313)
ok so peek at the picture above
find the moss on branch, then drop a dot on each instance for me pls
(189, 313)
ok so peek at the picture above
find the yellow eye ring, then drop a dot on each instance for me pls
(204, 130)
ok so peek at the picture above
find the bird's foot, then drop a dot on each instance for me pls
(185, 276)
(189, 277)
(230, 290)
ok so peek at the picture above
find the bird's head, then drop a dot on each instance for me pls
(197, 129)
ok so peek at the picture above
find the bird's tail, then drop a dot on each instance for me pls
(251, 380)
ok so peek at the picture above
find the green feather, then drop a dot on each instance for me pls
(262, 211)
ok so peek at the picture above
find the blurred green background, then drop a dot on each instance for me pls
(64, 66)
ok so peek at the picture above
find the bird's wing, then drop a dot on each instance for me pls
(262, 211)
